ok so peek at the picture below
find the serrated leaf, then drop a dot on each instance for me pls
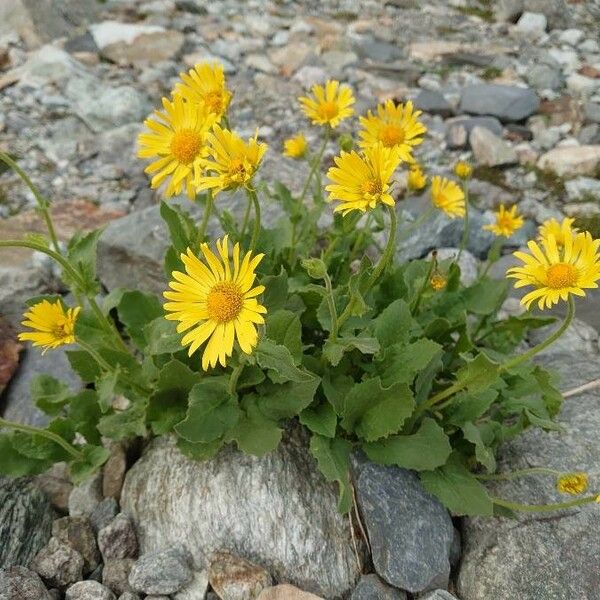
(105, 387)
(478, 374)
(285, 329)
(85, 412)
(486, 296)
(89, 330)
(182, 228)
(199, 451)
(39, 447)
(483, 453)
(276, 290)
(136, 310)
(49, 394)
(15, 464)
(211, 412)
(289, 399)
(162, 337)
(426, 449)
(124, 424)
(402, 362)
(83, 364)
(93, 458)
(81, 253)
(395, 324)
(336, 388)
(468, 406)
(334, 350)
(254, 433)
(273, 356)
(320, 419)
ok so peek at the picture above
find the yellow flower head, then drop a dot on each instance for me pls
(176, 141)
(557, 229)
(52, 325)
(328, 105)
(463, 170)
(572, 483)
(447, 196)
(361, 181)
(507, 222)
(215, 300)
(295, 147)
(558, 271)
(395, 126)
(232, 162)
(205, 85)
(438, 281)
(416, 178)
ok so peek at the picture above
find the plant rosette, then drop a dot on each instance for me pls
(291, 322)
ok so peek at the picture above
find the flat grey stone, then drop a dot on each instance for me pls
(592, 112)
(104, 513)
(371, 587)
(433, 103)
(459, 128)
(438, 595)
(491, 150)
(506, 102)
(163, 572)
(544, 77)
(86, 496)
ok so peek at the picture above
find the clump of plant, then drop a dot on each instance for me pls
(296, 321)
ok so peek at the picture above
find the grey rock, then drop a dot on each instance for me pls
(129, 596)
(104, 513)
(118, 539)
(467, 262)
(579, 337)
(195, 589)
(592, 112)
(316, 554)
(89, 590)
(581, 187)
(590, 134)
(19, 583)
(376, 50)
(556, 11)
(531, 24)
(96, 574)
(56, 485)
(115, 575)
(86, 496)
(459, 128)
(113, 472)
(571, 36)
(543, 77)
(490, 150)
(438, 595)
(434, 103)
(506, 102)
(25, 522)
(235, 578)
(371, 587)
(410, 532)
(77, 532)
(534, 556)
(58, 564)
(163, 572)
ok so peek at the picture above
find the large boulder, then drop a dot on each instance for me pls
(276, 511)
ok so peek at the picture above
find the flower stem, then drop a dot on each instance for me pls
(332, 308)
(43, 203)
(465, 235)
(417, 302)
(256, 230)
(50, 435)
(107, 323)
(206, 216)
(245, 220)
(544, 507)
(517, 473)
(235, 375)
(316, 163)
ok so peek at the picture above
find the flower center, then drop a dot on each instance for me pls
(62, 330)
(372, 187)
(505, 222)
(561, 275)
(390, 135)
(238, 170)
(214, 102)
(185, 145)
(224, 302)
(327, 110)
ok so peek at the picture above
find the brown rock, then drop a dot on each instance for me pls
(55, 483)
(286, 592)
(58, 564)
(589, 71)
(9, 352)
(77, 532)
(562, 110)
(118, 539)
(114, 472)
(115, 574)
(235, 578)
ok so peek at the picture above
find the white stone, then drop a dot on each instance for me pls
(113, 32)
(571, 160)
(567, 59)
(580, 84)
(582, 186)
(531, 24)
(491, 150)
(571, 36)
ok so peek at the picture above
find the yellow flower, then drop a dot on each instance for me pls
(438, 281)
(329, 105)
(447, 196)
(507, 222)
(555, 271)
(215, 302)
(205, 85)
(572, 483)
(295, 147)
(232, 161)
(416, 178)
(558, 230)
(361, 181)
(463, 170)
(177, 142)
(52, 325)
(395, 126)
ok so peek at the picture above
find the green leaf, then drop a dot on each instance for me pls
(125, 424)
(39, 447)
(112, 299)
(15, 464)
(81, 253)
(334, 350)
(168, 405)
(85, 412)
(89, 330)
(136, 310)
(478, 374)
(276, 290)
(505, 335)
(336, 388)
(278, 358)
(94, 458)
(284, 328)
(486, 296)
(458, 489)
(395, 324)
(199, 451)
(356, 284)
(105, 386)
(212, 411)
(162, 337)
(402, 361)
(333, 460)
(182, 228)
(287, 400)
(483, 453)
(83, 364)
(426, 449)
(49, 394)
(320, 419)
(468, 406)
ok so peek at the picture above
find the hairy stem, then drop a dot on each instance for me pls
(465, 235)
(544, 507)
(256, 230)
(316, 164)
(206, 216)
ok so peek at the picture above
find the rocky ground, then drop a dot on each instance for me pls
(517, 93)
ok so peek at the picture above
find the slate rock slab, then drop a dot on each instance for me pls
(506, 102)
(543, 555)
(276, 511)
(25, 522)
(410, 532)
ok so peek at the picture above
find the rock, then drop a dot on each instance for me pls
(537, 556)
(592, 112)
(113, 472)
(19, 583)
(129, 43)
(89, 590)
(543, 77)
(468, 263)
(118, 539)
(582, 85)
(410, 532)
(129, 596)
(286, 592)
(17, 400)
(506, 102)
(459, 128)
(25, 522)
(590, 134)
(10, 348)
(532, 25)
(86, 496)
(195, 589)
(557, 12)
(234, 578)
(571, 36)
(77, 532)
(104, 513)
(438, 595)
(371, 587)
(571, 160)
(581, 187)
(115, 574)
(283, 486)
(58, 564)
(259, 62)
(376, 50)
(57, 486)
(579, 336)
(433, 103)
(491, 150)
(163, 572)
